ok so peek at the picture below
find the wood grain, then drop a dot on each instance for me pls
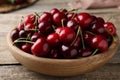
(18, 72)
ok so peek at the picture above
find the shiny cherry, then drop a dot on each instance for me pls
(29, 26)
(40, 48)
(53, 39)
(85, 52)
(35, 36)
(71, 15)
(101, 20)
(30, 18)
(99, 42)
(110, 27)
(77, 43)
(54, 10)
(63, 10)
(20, 26)
(72, 24)
(26, 47)
(67, 35)
(14, 34)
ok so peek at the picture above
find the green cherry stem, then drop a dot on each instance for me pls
(71, 11)
(96, 50)
(17, 41)
(53, 27)
(90, 33)
(37, 14)
(62, 21)
(78, 31)
(83, 44)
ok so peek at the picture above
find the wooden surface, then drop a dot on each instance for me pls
(10, 69)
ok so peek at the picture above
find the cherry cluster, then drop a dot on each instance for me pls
(63, 34)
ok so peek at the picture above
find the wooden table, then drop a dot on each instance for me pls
(10, 69)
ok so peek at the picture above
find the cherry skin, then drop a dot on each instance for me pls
(54, 10)
(40, 48)
(46, 16)
(99, 42)
(69, 52)
(26, 47)
(30, 18)
(72, 24)
(23, 34)
(67, 35)
(101, 20)
(29, 26)
(54, 54)
(35, 36)
(20, 26)
(110, 27)
(45, 28)
(63, 10)
(53, 39)
(58, 30)
(84, 19)
(85, 52)
(71, 15)
(58, 17)
(77, 43)
(14, 34)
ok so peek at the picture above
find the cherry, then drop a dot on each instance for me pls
(35, 36)
(20, 26)
(110, 27)
(30, 18)
(19, 1)
(23, 34)
(85, 52)
(54, 10)
(69, 52)
(67, 35)
(71, 15)
(72, 24)
(40, 48)
(53, 39)
(58, 17)
(101, 20)
(54, 54)
(29, 26)
(26, 47)
(63, 10)
(99, 42)
(84, 19)
(46, 17)
(14, 34)
(45, 28)
(77, 43)
(87, 37)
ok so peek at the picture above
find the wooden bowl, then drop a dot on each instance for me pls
(62, 67)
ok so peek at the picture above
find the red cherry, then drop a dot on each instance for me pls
(58, 30)
(29, 26)
(14, 34)
(58, 17)
(40, 48)
(101, 20)
(71, 15)
(110, 27)
(67, 35)
(77, 43)
(69, 52)
(46, 16)
(99, 42)
(20, 26)
(72, 24)
(85, 52)
(54, 54)
(54, 10)
(53, 39)
(35, 36)
(30, 18)
(84, 19)
(26, 47)
(63, 10)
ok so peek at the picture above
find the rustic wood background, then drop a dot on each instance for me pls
(10, 69)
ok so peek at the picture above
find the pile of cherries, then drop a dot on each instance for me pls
(63, 34)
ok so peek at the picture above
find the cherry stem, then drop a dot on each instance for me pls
(37, 14)
(53, 27)
(90, 33)
(109, 18)
(17, 41)
(96, 50)
(78, 31)
(71, 11)
(83, 44)
(62, 22)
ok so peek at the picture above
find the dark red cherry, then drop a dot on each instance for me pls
(67, 35)
(18, 1)
(30, 18)
(23, 34)
(54, 53)
(69, 52)
(35, 36)
(77, 43)
(29, 26)
(84, 19)
(110, 27)
(98, 28)
(101, 20)
(46, 17)
(63, 10)
(72, 24)
(58, 17)
(45, 28)
(99, 42)
(40, 48)
(26, 47)
(14, 34)
(87, 36)
(85, 52)
(20, 26)
(53, 39)
(54, 10)
(71, 15)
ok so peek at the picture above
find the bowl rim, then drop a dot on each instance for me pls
(14, 48)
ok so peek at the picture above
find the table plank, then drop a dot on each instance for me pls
(12, 19)
(18, 72)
